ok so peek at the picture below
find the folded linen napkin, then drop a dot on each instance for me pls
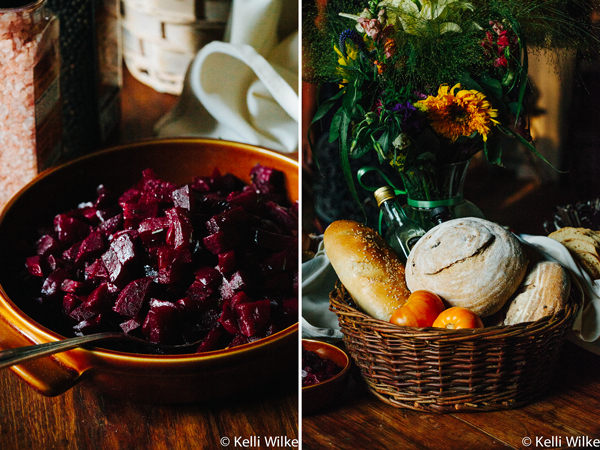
(318, 279)
(245, 89)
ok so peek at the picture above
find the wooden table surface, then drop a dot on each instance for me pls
(83, 419)
(569, 410)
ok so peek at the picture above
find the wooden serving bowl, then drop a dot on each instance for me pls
(149, 378)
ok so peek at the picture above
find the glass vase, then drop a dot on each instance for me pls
(434, 186)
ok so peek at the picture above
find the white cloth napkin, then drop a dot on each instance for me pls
(318, 279)
(245, 89)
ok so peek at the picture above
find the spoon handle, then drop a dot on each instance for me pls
(19, 355)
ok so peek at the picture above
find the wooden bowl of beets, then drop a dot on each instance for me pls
(173, 241)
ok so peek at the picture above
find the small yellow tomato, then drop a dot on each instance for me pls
(420, 310)
(456, 317)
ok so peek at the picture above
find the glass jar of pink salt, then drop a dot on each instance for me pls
(30, 106)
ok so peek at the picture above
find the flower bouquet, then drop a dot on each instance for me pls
(430, 83)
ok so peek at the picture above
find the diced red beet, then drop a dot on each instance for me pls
(267, 179)
(237, 282)
(230, 183)
(201, 184)
(179, 234)
(172, 264)
(160, 324)
(153, 230)
(247, 200)
(82, 312)
(70, 302)
(154, 190)
(253, 316)
(130, 196)
(73, 286)
(131, 299)
(240, 298)
(112, 225)
(100, 300)
(70, 254)
(279, 262)
(227, 219)
(195, 305)
(209, 276)
(91, 248)
(226, 262)
(222, 241)
(47, 245)
(229, 319)
(130, 325)
(275, 241)
(88, 326)
(69, 229)
(211, 339)
(199, 291)
(88, 211)
(55, 262)
(238, 339)
(121, 253)
(36, 266)
(134, 213)
(183, 198)
(52, 284)
(96, 270)
(282, 217)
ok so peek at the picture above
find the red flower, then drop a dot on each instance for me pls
(501, 62)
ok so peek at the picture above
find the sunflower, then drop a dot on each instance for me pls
(461, 114)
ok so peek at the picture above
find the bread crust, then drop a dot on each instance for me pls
(544, 292)
(470, 262)
(367, 266)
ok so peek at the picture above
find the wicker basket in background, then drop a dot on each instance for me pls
(438, 370)
(162, 37)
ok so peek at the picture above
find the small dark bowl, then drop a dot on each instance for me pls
(327, 393)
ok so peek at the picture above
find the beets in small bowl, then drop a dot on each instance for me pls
(245, 354)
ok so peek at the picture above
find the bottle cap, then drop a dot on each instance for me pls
(440, 214)
(384, 193)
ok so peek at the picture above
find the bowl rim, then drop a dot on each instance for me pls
(342, 372)
(49, 335)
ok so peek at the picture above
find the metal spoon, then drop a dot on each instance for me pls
(19, 355)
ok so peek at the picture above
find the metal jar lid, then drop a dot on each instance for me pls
(384, 193)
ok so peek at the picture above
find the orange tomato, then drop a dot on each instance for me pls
(457, 317)
(420, 310)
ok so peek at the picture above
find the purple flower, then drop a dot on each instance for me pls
(411, 119)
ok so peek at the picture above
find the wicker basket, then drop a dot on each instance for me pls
(438, 370)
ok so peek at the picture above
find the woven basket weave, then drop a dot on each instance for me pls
(438, 370)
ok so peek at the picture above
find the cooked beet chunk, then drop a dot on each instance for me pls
(282, 216)
(51, 287)
(199, 290)
(69, 229)
(70, 302)
(229, 319)
(280, 262)
(179, 234)
(211, 339)
(227, 219)
(112, 225)
(131, 299)
(73, 286)
(47, 245)
(237, 282)
(88, 326)
(130, 325)
(253, 316)
(100, 300)
(248, 200)
(155, 190)
(36, 266)
(134, 213)
(160, 324)
(172, 264)
(267, 179)
(222, 241)
(91, 248)
(226, 262)
(153, 230)
(70, 254)
(274, 241)
(96, 270)
(121, 253)
(183, 198)
(81, 313)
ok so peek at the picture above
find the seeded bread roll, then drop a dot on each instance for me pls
(469, 262)
(543, 293)
(367, 266)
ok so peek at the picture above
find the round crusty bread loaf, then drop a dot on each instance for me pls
(469, 262)
(544, 292)
(367, 266)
